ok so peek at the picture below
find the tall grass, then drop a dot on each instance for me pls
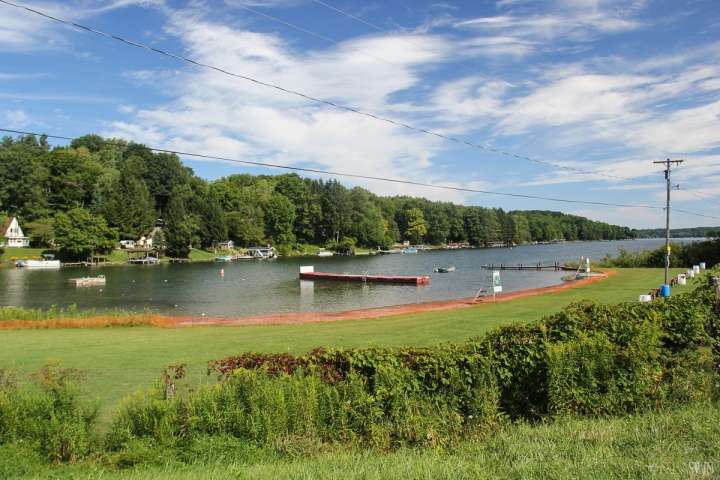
(71, 317)
(680, 443)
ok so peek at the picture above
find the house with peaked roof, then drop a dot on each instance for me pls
(11, 235)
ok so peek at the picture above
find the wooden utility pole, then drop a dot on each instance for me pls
(668, 165)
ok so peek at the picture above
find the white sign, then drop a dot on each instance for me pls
(497, 282)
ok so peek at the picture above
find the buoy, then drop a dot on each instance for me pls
(165, 281)
(222, 272)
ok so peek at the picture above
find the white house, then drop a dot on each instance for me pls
(12, 235)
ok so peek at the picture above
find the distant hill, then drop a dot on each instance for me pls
(695, 232)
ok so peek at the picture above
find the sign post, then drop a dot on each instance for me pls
(497, 283)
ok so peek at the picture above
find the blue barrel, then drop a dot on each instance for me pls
(665, 290)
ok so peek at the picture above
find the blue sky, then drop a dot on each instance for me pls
(596, 85)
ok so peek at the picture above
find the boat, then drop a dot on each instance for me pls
(324, 253)
(409, 250)
(88, 281)
(224, 258)
(48, 261)
(445, 269)
(389, 252)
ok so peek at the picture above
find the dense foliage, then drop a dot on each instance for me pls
(127, 187)
(682, 255)
(694, 232)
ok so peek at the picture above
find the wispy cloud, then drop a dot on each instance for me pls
(51, 97)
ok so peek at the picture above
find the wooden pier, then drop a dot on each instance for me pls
(538, 267)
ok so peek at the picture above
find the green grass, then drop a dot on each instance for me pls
(118, 361)
(683, 443)
(197, 255)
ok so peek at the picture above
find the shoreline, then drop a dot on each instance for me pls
(292, 318)
(298, 318)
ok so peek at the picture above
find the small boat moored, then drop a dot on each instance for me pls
(48, 261)
(409, 250)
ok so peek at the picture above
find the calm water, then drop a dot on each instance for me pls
(253, 287)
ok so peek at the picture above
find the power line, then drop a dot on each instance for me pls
(364, 177)
(351, 16)
(308, 97)
(701, 196)
(308, 32)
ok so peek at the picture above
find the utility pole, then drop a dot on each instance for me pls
(668, 166)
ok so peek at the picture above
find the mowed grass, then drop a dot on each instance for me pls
(683, 443)
(118, 361)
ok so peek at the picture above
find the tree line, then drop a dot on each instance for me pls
(84, 197)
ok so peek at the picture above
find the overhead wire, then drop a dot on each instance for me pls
(308, 32)
(701, 196)
(308, 97)
(364, 177)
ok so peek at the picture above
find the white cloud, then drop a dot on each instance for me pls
(224, 116)
(22, 31)
(16, 118)
(21, 76)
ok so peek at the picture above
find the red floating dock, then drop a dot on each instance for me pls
(344, 277)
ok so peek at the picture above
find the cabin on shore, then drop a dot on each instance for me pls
(12, 235)
(229, 245)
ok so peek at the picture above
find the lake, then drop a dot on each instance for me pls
(257, 287)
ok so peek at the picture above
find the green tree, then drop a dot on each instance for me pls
(41, 232)
(72, 175)
(23, 176)
(279, 219)
(125, 201)
(180, 227)
(79, 234)
(521, 229)
(415, 229)
(246, 227)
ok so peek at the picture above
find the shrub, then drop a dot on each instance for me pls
(49, 414)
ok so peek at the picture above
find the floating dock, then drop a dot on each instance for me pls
(556, 267)
(88, 281)
(308, 273)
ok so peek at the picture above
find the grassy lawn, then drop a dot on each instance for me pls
(683, 443)
(120, 360)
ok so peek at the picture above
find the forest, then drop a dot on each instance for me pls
(84, 197)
